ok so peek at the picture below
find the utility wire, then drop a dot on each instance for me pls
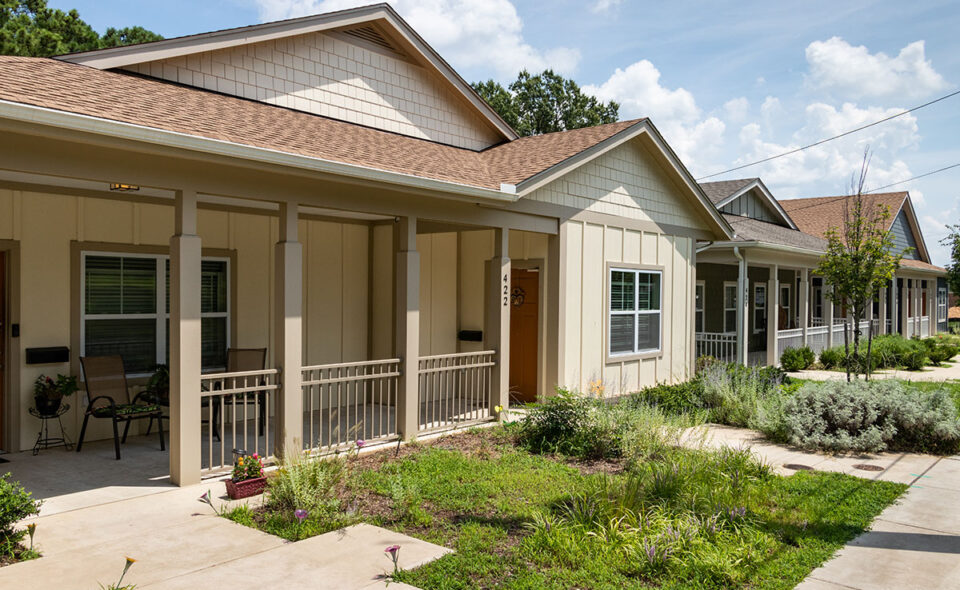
(880, 188)
(823, 141)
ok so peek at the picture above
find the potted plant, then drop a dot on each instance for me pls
(247, 478)
(158, 385)
(49, 392)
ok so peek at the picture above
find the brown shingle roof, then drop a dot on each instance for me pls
(161, 105)
(909, 263)
(953, 313)
(720, 190)
(817, 215)
(749, 229)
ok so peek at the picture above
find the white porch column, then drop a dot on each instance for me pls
(804, 302)
(894, 306)
(905, 309)
(288, 335)
(917, 309)
(408, 327)
(185, 255)
(932, 307)
(882, 320)
(828, 311)
(773, 313)
(743, 310)
(556, 308)
(496, 333)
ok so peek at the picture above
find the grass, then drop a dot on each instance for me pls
(521, 520)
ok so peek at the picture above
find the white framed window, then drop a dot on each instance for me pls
(635, 311)
(785, 307)
(759, 308)
(816, 298)
(124, 310)
(699, 296)
(729, 306)
(941, 303)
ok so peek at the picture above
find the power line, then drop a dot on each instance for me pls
(873, 190)
(823, 141)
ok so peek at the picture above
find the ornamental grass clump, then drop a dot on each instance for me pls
(870, 417)
(742, 396)
(305, 483)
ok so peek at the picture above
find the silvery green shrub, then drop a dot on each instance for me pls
(869, 417)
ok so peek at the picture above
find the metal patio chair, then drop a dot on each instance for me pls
(240, 360)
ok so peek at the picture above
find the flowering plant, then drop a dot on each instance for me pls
(247, 467)
(62, 386)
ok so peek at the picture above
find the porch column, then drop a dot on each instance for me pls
(932, 307)
(496, 333)
(773, 313)
(894, 305)
(882, 320)
(905, 309)
(828, 311)
(288, 335)
(743, 311)
(408, 327)
(804, 302)
(185, 342)
(556, 301)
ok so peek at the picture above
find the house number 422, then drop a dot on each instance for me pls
(506, 291)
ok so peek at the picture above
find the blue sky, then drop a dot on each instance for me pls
(726, 82)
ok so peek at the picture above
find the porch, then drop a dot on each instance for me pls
(751, 310)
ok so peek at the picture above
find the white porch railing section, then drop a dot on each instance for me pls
(817, 338)
(455, 389)
(346, 402)
(239, 411)
(792, 338)
(925, 326)
(838, 326)
(719, 345)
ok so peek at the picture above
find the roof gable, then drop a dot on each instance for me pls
(363, 65)
(747, 197)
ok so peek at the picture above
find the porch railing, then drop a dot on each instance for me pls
(455, 389)
(346, 402)
(792, 338)
(239, 412)
(719, 345)
(817, 338)
(925, 326)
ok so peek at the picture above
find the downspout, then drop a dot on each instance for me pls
(742, 299)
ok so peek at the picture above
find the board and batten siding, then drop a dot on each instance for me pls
(590, 247)
(335, 76)
(336, 263)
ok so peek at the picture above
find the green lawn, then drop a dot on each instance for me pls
(520, 520)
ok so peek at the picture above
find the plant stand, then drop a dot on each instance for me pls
(44, 440)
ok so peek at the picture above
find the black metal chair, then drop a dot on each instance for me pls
(240, 360)
(109, 397)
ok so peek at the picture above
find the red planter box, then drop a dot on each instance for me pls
(246, 488)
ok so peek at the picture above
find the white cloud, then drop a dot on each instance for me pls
(855, 73)
(736, 109)
(469, 33)
(604, 6)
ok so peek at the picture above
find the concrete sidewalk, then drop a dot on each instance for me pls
(944, 373)
(179, 542)
(913, 544)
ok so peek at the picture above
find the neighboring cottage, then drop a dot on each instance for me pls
(757, 294)
(330, 190)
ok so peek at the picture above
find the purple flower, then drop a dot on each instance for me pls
(300, 514)
(361, 443)
(392, 550)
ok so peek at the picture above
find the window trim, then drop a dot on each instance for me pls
(763, 287)
(634, 268)
(736, 296)
(77, 300)
(788, 307)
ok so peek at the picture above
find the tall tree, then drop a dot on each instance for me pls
(546, 102)
(952, 241)
(859, 260)
(31, 28)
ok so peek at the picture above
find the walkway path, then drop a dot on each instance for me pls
(943, 373)
(180, 543)
(913, 544)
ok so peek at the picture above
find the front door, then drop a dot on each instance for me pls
(524, 321)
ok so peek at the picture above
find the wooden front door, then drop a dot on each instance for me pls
(524, 341)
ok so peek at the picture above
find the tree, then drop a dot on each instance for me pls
(544, 103)
(30, 28)
(859, 260)
(952, 241)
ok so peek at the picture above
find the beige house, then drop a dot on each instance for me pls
(329, 189)
(758, 294)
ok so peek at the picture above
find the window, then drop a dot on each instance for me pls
(942, 303)
(784, 307)
(634, 311)
(817, 297)
(698, 306)
(759, 308)
(923, 299)
(729, 307)
(124, 312)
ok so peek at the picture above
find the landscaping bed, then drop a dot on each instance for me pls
(632, 511)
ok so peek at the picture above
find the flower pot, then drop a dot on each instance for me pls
(47, 405)
(246, 488)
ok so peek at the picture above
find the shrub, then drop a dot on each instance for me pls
(915, 360)
(797, 359)
(15, 504)
(741, 396)
(832, 357)
(305, 483)
(870, 416)
(674, 399)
